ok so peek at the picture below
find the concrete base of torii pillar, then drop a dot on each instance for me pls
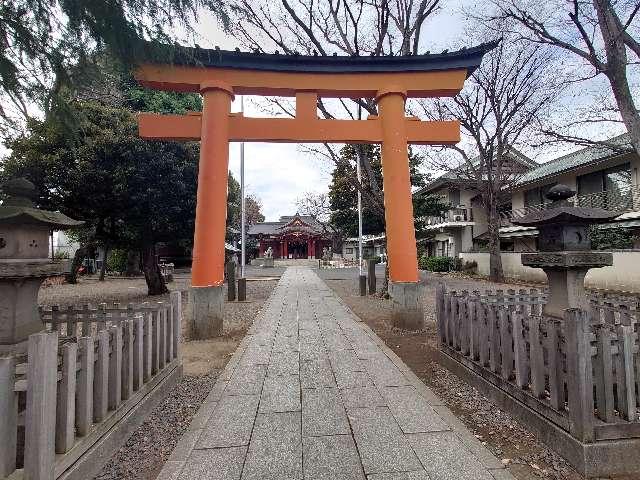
(206, 312)
(407, 312)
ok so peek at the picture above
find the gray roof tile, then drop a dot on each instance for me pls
(576, 159)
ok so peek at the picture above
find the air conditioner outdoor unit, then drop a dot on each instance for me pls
(458, 218)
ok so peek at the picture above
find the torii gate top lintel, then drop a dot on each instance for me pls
(185, 69)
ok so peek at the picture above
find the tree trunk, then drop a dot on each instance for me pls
(495, 256)
(616, 72)
(103, 267)
(152, 274)
(78, 257)
(133, 263)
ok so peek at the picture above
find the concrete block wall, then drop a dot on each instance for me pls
(623, 275)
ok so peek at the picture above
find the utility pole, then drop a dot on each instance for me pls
(361, 277)
(243, 236)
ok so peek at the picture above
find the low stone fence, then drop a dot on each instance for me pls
(338, 263)
(575, 380)
(85, 382)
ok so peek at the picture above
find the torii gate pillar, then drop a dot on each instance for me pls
(206, 297)
(404, 286)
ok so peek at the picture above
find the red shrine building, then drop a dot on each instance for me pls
(297, 236)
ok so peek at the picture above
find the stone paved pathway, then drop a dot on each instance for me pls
(313, 393)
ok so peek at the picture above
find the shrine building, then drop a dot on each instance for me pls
(293, 236)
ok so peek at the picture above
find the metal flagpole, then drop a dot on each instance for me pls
(242, 203)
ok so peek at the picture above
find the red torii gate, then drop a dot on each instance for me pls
(218, 75)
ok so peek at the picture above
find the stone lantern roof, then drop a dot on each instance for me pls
(18, 207)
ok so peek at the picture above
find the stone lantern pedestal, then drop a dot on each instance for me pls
(565, 249)
(24, 262)
(565, 272)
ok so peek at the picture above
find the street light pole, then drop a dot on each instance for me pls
(242, 203)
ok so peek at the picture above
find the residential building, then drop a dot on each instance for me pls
(604, 177)
(463, 228)
(372, 246)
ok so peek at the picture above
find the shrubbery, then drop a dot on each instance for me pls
(610, 238)
(117, 261)
(447, 264)
(439, 264)
(470, 268)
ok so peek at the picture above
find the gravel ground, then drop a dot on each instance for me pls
(527, 457)
(126, 289)
(146, 450)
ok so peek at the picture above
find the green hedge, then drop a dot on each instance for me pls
(447, 264)
(438, 264)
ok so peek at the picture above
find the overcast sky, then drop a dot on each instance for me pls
(278, 174)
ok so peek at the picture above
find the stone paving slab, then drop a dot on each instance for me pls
(317, 374)
(230, 423)
(280, 394)
(382, 445)
(276, 448)
(323, 413)
(214, 464)
(411, 411)
(332, 457)
(443, 456)
(312, 392)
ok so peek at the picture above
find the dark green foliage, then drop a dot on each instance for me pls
(141, 99)
(437, 264)
(131, 192)
(117, 261)
(470, 268)
(49, 46)
(610, 238)
(343, 197)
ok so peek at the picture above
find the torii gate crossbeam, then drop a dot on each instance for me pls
(218, 75)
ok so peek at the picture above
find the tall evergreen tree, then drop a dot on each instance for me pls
(48, 46)
(344, 200)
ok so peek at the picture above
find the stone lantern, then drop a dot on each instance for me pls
(24, 262)
(564, 247)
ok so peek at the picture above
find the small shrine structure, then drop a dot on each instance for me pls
(293, 237)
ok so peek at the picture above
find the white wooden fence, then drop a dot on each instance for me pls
(582, 372)
(55, 399)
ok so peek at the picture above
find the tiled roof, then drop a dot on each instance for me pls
(276, 228)
(573, 160)
(468, 58)
(265, 228)
(452, 175)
